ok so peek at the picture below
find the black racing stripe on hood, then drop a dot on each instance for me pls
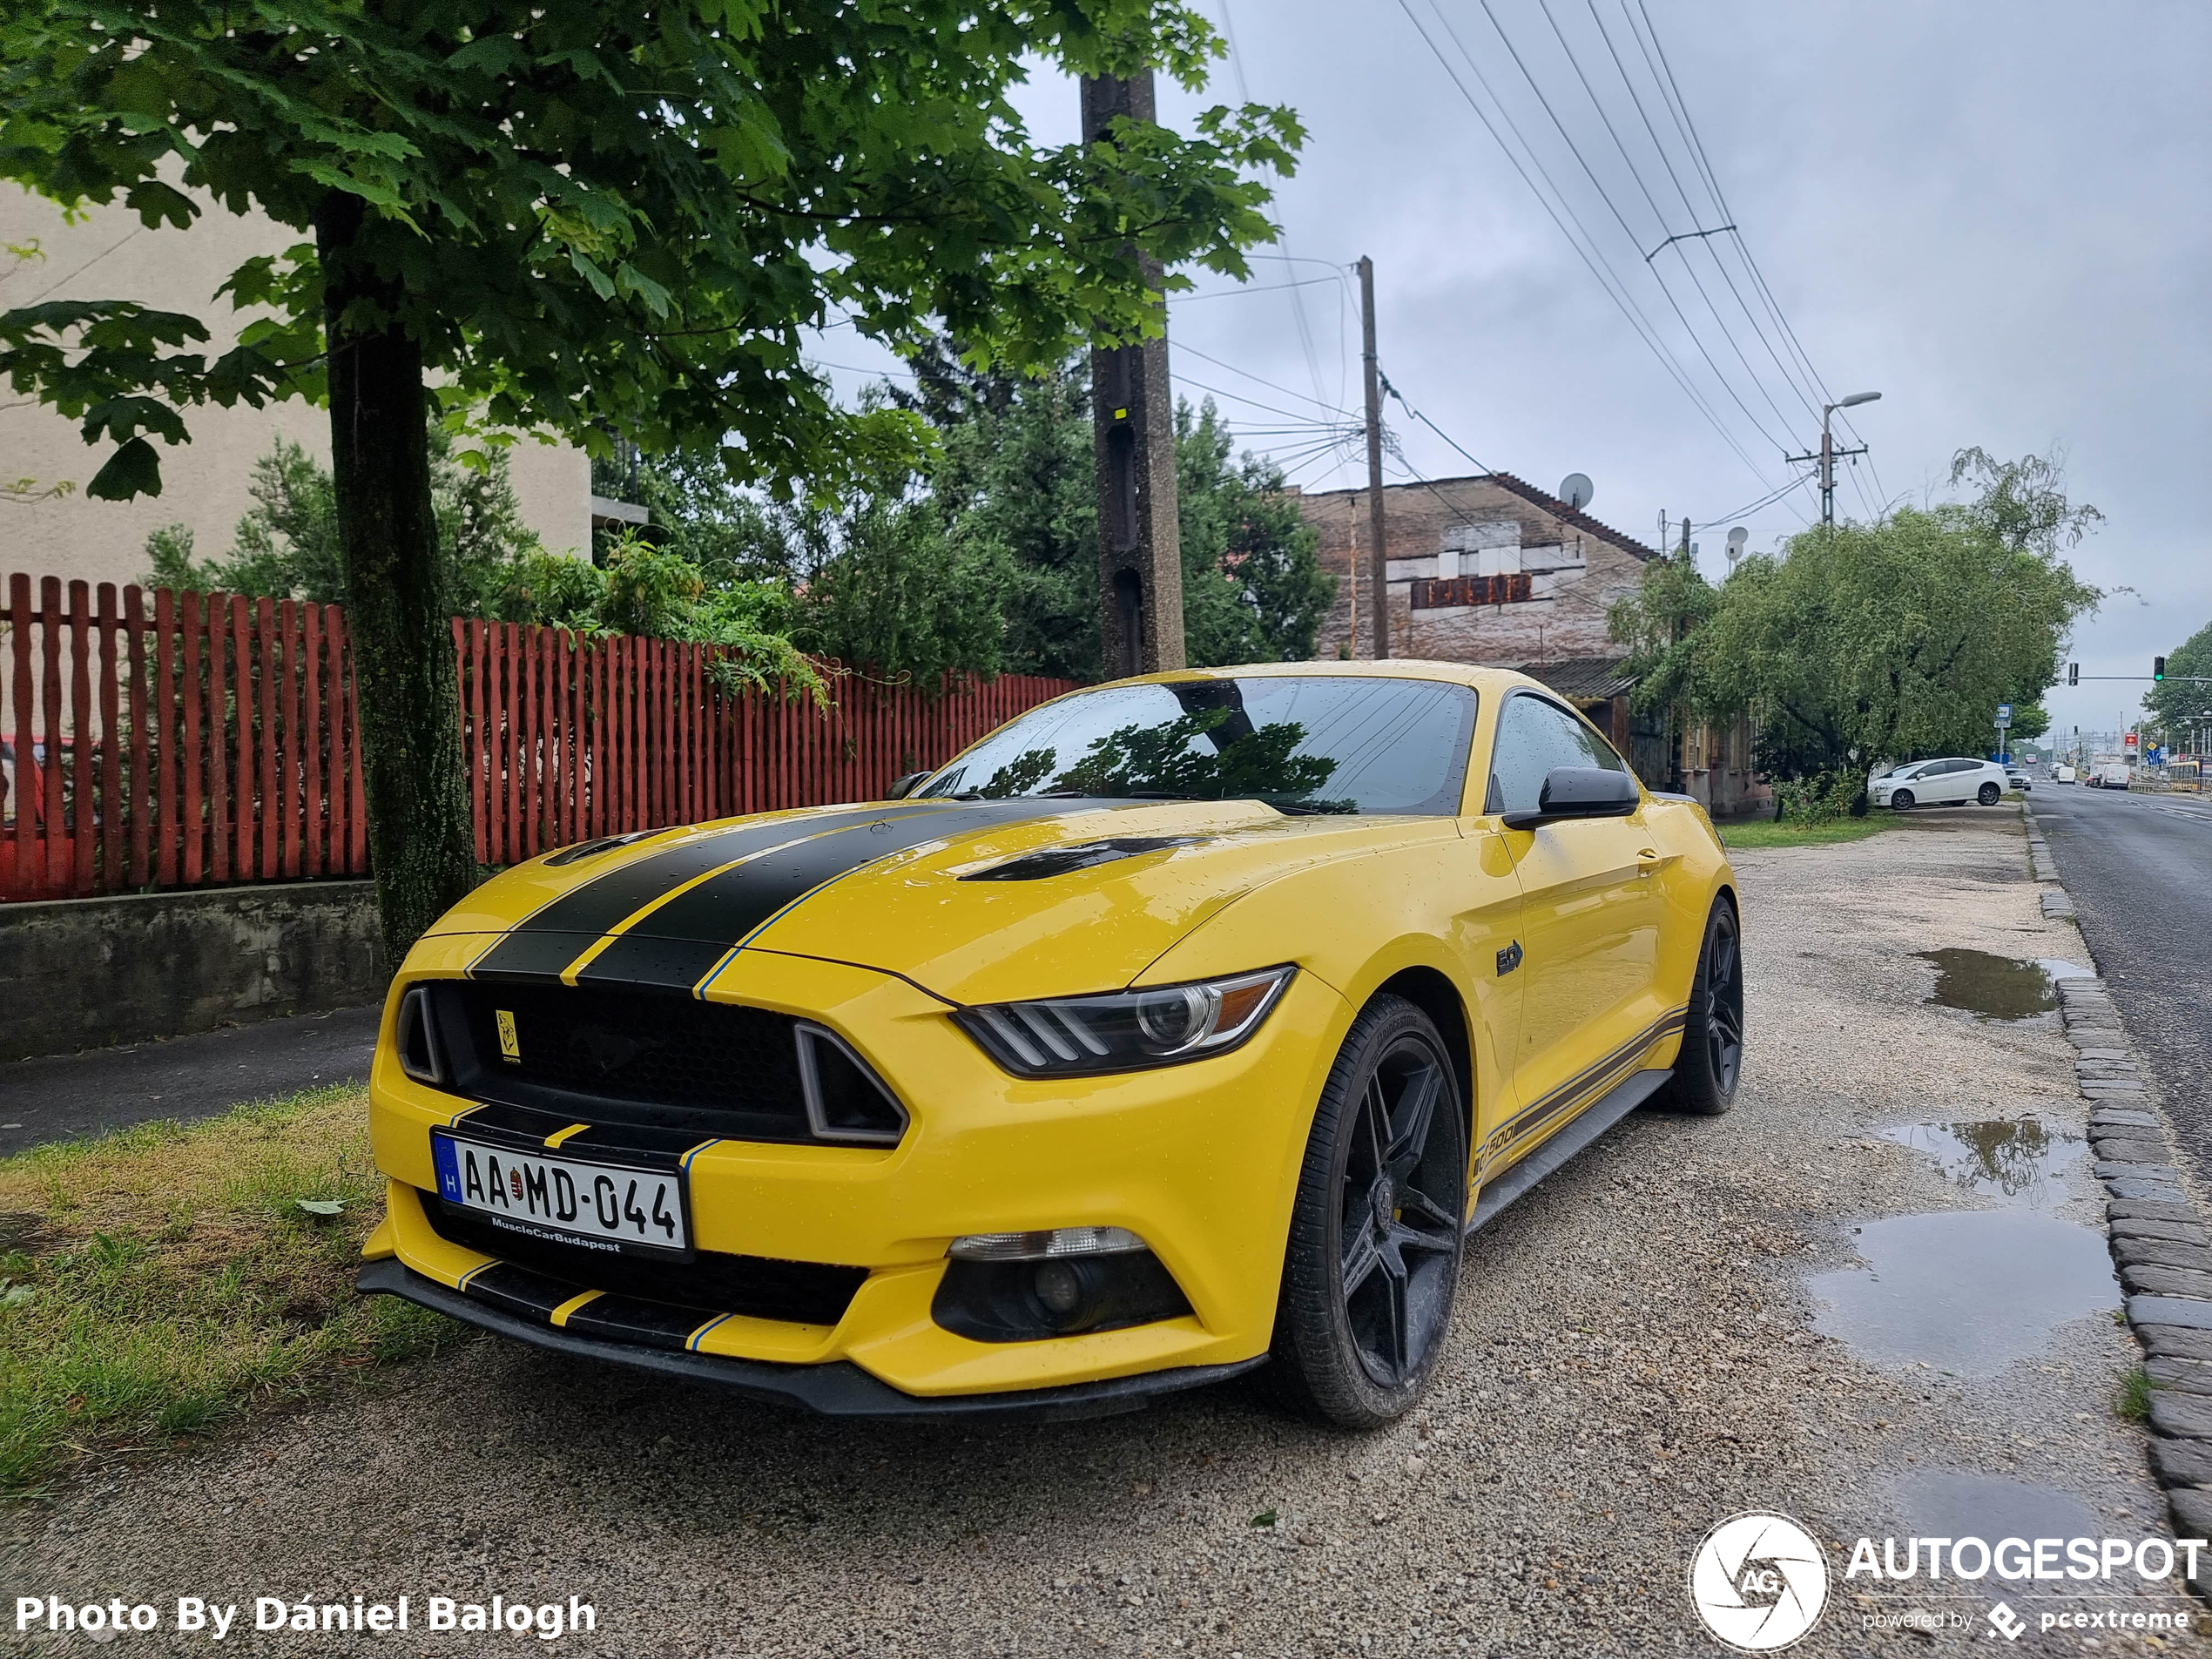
(543, 943)
(678, 945)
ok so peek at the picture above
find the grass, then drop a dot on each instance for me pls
(1763, 833)
(2133, 1401)
(158, 1283)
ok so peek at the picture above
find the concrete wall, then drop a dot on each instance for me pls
(1569, 567)
(85, 972)
(108, 254)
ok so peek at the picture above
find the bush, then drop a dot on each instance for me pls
(1821, 799)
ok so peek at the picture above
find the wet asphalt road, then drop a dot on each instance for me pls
(2139, 868)
(64, 1097)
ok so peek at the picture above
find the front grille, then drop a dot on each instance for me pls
(758, 1286)
(657, 1060)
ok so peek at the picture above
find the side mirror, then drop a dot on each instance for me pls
(902, 786)
(1579, 791)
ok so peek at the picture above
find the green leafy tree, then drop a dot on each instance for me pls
(888, 591)
(1253, 588)
(1016, 477)
(2174, 699)
(592, 221)
(287, 544)
(1871, 643)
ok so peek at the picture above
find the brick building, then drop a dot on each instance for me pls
(1490, 569)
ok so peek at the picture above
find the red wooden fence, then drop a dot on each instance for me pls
(187, 739)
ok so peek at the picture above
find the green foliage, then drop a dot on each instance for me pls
(2173, 699)
(287, 544)
(887, 590)
(1014, 482)
(1253, 588)
(1821, 799)
(602, 222)
(1869, 642)
(2030, 721)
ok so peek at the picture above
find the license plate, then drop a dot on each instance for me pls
(603, 1206)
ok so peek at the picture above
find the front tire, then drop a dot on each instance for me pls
(1711, 1061)
(1989, 793)
(1901, 801)
(1376, 1233)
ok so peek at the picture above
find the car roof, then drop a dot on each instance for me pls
(1411, 668)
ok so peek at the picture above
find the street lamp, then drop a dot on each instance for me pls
(1828, 453)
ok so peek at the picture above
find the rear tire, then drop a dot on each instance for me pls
(1987, 794)
(1377, 1230)
(1901, 801)
(1711, 1061)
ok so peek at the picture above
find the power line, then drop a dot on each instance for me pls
(1257, 287)
(1561, 216)
(1192, 351)
(1659, 215)
(1656, 57)
(1605, 196)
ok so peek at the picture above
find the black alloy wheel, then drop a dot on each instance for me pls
(1901, 801)
(1376, 1234)
(1711, 1061)
(1988, 794)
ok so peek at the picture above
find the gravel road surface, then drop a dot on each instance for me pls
(2139, 869)
(1684, 1324)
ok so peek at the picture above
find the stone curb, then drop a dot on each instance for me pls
(2156, 1227)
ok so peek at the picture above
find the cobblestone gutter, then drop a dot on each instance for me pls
(2160, 1241)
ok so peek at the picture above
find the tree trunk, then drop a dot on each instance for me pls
(421, 840)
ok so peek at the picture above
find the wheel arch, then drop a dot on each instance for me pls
(1433, 994)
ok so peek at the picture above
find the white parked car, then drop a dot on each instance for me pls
(1950, 782)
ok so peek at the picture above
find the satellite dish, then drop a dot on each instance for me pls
(1737, 538)
(1575, 489)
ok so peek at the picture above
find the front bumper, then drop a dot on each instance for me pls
(1199, 1160)
(839, 1389)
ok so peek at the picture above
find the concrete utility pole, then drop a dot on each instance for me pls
(1378, 548)
(1830, 454)
(1140, 543)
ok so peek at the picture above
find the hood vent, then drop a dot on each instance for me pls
(1088, 855)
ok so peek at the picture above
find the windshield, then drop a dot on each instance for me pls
(1326, 744)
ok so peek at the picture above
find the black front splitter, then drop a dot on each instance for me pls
(837, 1389)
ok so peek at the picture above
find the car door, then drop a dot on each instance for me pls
(1960, 780)
(1590, 917)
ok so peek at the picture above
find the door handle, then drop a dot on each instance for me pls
(1648, 860)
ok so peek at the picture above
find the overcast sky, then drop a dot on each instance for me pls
(1996, 215)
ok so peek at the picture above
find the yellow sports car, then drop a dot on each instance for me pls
(1182, 1025)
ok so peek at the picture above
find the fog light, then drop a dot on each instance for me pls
(1059, 1288)
(1025, 1298)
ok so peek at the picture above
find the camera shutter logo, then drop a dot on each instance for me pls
(1759, 1582)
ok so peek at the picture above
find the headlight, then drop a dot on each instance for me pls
(1160, 1025)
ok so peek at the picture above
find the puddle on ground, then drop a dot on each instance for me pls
(1970, 1292)
(1998, 988)
(2022, 1160)
(1937, 1505)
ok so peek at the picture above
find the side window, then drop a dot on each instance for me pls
(1535, 736)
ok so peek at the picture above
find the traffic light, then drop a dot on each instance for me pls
(2073, 673)
(2158, 668)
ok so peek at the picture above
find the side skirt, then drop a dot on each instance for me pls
(1592, 1122)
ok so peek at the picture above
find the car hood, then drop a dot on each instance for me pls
(973, 901)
